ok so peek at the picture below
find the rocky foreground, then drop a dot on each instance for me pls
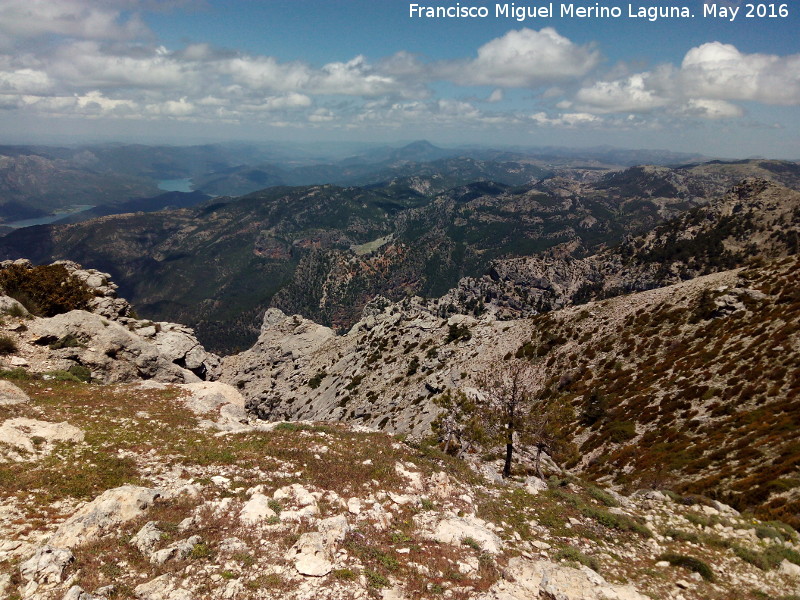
(138, 491)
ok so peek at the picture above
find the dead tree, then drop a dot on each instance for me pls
(507, 396)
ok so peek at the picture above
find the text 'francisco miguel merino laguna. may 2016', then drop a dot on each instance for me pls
(597, 11)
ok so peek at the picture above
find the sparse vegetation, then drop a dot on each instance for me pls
(44, 290)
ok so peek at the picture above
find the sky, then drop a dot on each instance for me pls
(183, 72)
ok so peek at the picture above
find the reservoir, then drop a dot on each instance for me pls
(175, 185)
(49, 218)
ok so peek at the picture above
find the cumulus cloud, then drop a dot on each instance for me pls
(496, 96)
(524, 58)
(632, 94)
(25, 81)
(86, 19)
(721, 71)
(709, 79)
(100, 60)
(711, 109)
(566, 119)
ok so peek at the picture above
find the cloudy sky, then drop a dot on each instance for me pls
(184, 71)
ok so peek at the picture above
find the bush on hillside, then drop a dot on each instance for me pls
(46, 290)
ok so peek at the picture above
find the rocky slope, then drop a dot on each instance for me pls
(672, 368)
(755, 218)
(142, 501)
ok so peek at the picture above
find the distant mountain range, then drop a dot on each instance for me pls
(37, 180)
(325, 250)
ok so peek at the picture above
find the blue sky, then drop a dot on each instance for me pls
(181, 72)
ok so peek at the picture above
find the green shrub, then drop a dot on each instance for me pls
(16, 311)
(573, 554)
(683, 536)
(471, 543)
(201, 550)
(343, 574)
(68, 341)
(46, 290)
(621, 431)
(81, 373)
(18, 374)
(456, 333)
(413, 366)
(7, 345)
(689, 562)
(601, 495)
(316, 380)
(376, 580)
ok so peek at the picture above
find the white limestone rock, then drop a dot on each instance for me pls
(525, 578)
(108, 510)
(112, 352)
(177, 551)
(47, 565)
(147, 538)
(76, 592)
(165, 587)
(36, 438)
(453, 530)
(256, 510)
(10, 394)
(221, 402)
(310, 555)
(790, 569)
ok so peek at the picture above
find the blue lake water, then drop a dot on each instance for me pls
(175, 185)
(49, 218)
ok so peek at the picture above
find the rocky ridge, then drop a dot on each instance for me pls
(754, 218)
(106, 342)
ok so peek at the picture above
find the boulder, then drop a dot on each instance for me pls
(222, 400)
(147, 538)
(108, 510)
(310, 555)
(36, 438)
(9, 305)
(179, 345)
(524, 578)
(177, 551)
(256, 509)
(112, 352)
(790, 569)
(76, 593)
(453, 530)
(165, 587)
(47, 565)
(11, 394)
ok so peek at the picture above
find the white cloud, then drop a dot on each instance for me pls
(495, 96)
(566, 119)
(25, 81)
(627, 95)
(90, 64)
(712, 109)
(321, 115)
(722, 72)
(709, 79)
(86, 19)
(524, 58)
